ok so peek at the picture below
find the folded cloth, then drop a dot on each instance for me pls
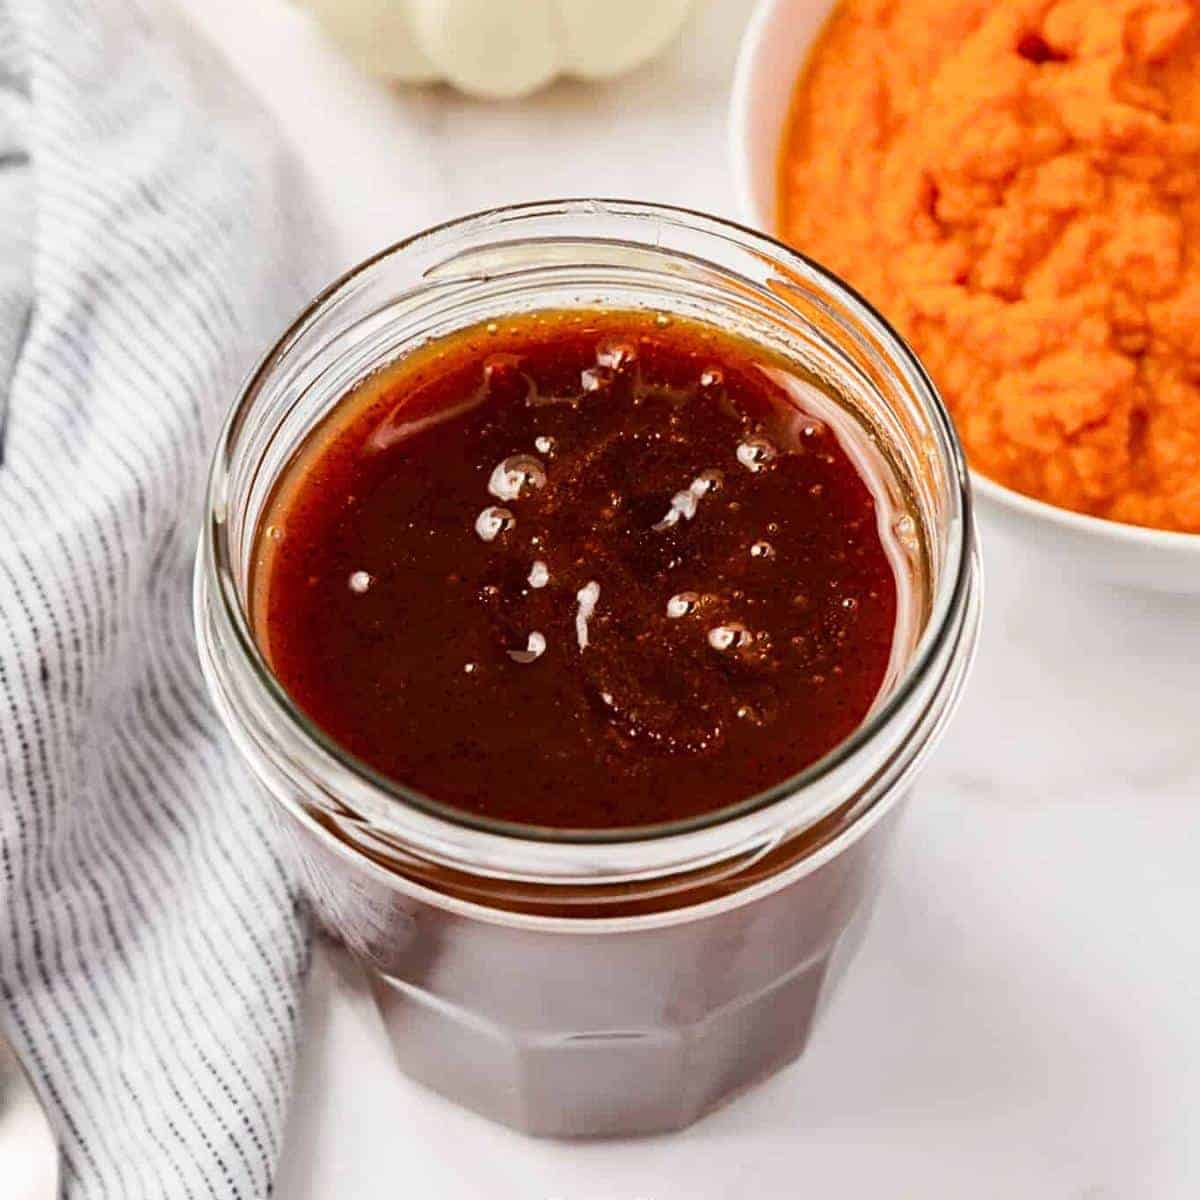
(154, 238)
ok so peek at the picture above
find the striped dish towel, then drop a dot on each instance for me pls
(151, 945)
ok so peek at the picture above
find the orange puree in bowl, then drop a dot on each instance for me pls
(1016, 184)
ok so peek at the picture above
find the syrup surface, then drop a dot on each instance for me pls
(582, 570)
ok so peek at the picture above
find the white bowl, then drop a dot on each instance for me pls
(774, 48)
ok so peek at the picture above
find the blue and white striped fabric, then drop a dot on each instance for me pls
(151, 945)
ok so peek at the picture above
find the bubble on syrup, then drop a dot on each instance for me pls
(905, 529)
(543, 444)
(684, 503)
(755, 453)
(470, 668)
(494, 521)
(360, 581)
(274, 532)
(539, 574)
(587, 596)
(712, 378)
(849, 603)
(498, 366)
(615, 503)
(683, 604)
(812, 428)
(762, 550)
(729, 637)
(492, 328)
(615, 356)
(662, 320)
(592, 379)
(504, 377)
(535, 647)
(517, 476)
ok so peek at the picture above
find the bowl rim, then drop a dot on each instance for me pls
(1083, 523)
(754, 37)
(759, 28)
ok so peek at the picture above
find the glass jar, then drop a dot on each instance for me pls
(613, 981)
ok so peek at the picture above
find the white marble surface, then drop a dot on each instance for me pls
(1024, 1018)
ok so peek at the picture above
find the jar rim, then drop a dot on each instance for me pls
(950, 590)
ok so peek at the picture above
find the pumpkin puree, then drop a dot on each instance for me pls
(1016, 184)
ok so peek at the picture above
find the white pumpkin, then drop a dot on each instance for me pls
(499, 48)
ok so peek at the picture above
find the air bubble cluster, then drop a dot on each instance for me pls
(684, 503)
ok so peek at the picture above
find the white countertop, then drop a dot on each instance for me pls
(1024, 1017)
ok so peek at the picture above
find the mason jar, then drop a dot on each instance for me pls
(594, 982)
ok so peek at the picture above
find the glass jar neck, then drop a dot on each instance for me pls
(587, 254)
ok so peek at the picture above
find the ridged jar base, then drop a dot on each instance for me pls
(604, 1082)
(597, 1028)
